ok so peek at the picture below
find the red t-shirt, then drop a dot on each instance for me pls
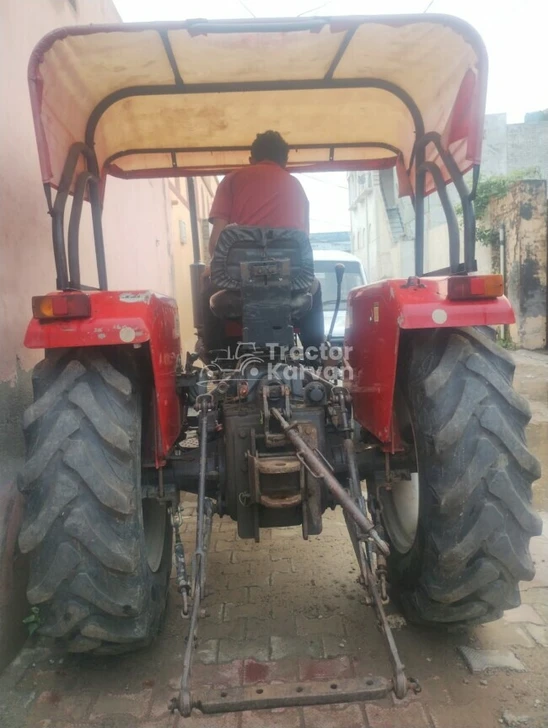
(262, 195)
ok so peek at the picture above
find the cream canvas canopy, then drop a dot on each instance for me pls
(188, 98)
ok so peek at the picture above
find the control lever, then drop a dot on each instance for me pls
(339, 272)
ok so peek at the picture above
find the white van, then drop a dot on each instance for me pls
(354, 276)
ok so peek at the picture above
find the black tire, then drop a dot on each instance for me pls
(475, 521)
(86, 529)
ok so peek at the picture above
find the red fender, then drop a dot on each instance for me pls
(126, 318)
(376, 315)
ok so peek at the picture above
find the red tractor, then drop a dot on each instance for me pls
(121, 424)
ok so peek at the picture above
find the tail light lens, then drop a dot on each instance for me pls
(61, 306)
(460, 288)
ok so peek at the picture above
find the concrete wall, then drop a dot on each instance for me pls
(371, 235)
(524, 214)
(514, 147)
(138, 243)
(494, 158)
(527, 146)
(182, 246)
(367, 221)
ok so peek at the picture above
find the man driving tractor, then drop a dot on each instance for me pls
(264, 194)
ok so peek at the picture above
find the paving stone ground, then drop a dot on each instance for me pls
(287, 610)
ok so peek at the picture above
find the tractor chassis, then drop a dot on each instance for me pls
(370, 550)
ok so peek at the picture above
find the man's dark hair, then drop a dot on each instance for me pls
(270, 146)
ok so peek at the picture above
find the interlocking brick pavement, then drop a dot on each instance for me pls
(279, 611)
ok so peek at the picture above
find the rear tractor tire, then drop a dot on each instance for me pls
(462, 560)
(100, 556)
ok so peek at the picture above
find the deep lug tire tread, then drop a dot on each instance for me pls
(476, 517)
(83, 525)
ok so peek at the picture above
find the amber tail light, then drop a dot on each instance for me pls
(461, 288)
(61, 306)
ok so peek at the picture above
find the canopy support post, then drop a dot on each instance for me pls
(468, 214)
(450, 216)
(197, 269)
(193, 219)
(96, 215)
(420, 178)
(58, 213)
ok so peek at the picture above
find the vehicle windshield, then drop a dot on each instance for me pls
(325, 273)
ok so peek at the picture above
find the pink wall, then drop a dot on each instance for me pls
(137, 219)
(136, 216)
(137, 231)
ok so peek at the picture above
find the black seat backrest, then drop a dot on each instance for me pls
(238, 245)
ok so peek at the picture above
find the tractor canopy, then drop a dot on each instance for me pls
(187, 98)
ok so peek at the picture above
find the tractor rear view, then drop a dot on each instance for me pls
(421, 407)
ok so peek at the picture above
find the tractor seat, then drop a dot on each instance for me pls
(238, 244)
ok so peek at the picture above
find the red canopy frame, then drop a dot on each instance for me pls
(76, 151)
